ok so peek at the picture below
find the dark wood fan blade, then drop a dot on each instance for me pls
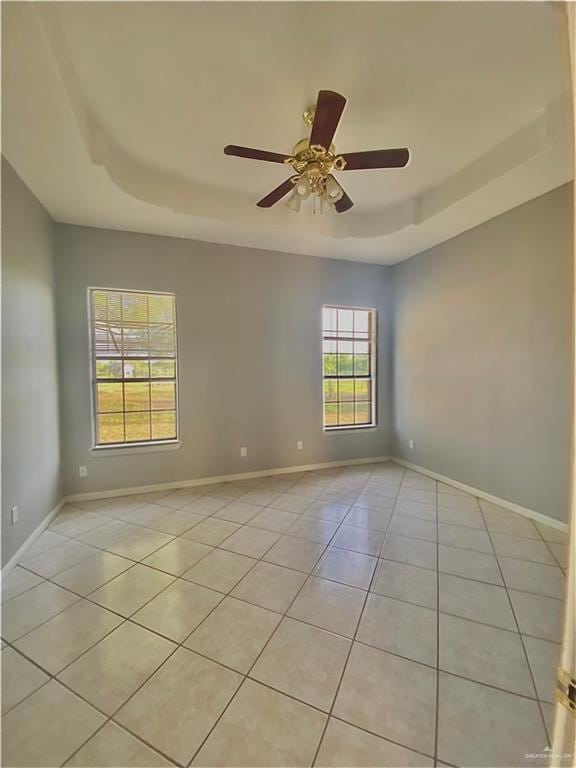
(329, 108)
(255, 154)
(378, 158)
(344, 204)
(276, 194)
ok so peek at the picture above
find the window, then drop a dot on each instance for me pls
(349, 367)
(134, 365)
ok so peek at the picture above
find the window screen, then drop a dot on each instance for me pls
(134, 365)
(349, 366)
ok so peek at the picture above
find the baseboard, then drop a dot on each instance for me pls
(221, 479)
(532, 514)
(17, 556)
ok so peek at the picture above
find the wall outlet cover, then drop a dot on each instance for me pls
(14, 515)
(243, 451)
(411, 444)
(300, 445)
(83, 471)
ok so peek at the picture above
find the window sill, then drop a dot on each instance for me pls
(339, 430)
(102, 451)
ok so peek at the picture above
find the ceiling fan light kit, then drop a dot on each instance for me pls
(314, 159)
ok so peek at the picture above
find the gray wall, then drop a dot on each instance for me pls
(30, 431)
(483, 355)
(249, 331)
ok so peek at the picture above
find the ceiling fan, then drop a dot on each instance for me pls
(314, 159)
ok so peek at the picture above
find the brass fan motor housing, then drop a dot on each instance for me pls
(315, 160)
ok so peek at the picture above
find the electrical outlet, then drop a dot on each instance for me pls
(14, 515)
(299, 445)
(243, 451)
(83, 471)
(411, 444)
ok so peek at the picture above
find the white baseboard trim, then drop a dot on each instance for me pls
(17, 556)
(221, 479)
(532, 514)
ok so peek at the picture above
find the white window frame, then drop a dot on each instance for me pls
(129, 447)
(373, 377)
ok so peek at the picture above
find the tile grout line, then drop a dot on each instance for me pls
(98, 550)
(284, 615)
(87, 597)
(178, 646)
(526, 657)
(437, 702)
(284, 533)
(125, 619)
(360, 616)
(54, 677)
(308, 576)
(268, 685)
(549, 548)
(175, 578)
(108, 717)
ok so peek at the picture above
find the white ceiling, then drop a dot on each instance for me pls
(116, 114)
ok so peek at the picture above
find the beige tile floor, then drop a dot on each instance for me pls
(363, 616)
